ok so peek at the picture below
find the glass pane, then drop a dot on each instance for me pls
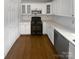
(28, 9)
(23, 9)
(48, 8)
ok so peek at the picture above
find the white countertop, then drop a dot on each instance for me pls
(69, 35)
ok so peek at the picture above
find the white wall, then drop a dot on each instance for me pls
(10, 36)
(11, 21)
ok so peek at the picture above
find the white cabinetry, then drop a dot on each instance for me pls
(24, 28)
(45, 8)
(63, 7)
(71, 51)
(50, 31)
(44, 28)
(25, 9)
(48, 8)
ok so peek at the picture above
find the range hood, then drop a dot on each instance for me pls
(35, 1)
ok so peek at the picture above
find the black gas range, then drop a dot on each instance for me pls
(36, 26)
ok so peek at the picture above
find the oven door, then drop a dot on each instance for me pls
(36, 29)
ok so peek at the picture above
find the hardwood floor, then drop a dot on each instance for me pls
(32, 47)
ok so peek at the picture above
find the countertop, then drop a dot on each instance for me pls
(68, 34)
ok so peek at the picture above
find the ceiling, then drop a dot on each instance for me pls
(36, 0)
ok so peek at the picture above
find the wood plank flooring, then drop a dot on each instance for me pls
(32, 47)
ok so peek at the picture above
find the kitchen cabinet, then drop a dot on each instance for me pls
(24, 28)
(49, 9)
(61, 44)
(71, 51)
(44, 27)
(28, 9)
(23, 9)
(63, 7)
(50, 31)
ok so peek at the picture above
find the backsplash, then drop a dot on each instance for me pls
(68, 22)
(28, 17)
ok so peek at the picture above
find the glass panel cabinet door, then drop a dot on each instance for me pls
(23, 9)
(48, 9)
(28, 9)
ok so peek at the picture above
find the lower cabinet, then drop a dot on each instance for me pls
(61, 44)
(50, 31)
(25, 28)
(71, 51)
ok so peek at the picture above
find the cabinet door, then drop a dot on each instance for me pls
(67, 8)
(28, 9)
(27, 28)
(71, 51)
(63, 7)
(44, 27)
(61, 45)
(49, 8)
(47, 28)
(50, 31)
(24, 28)
(52, 34)
(23, 9)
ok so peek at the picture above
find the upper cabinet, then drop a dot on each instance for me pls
(49, 9)
(36, 8)
(63, 7)
(28, 9)
(23, 9)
